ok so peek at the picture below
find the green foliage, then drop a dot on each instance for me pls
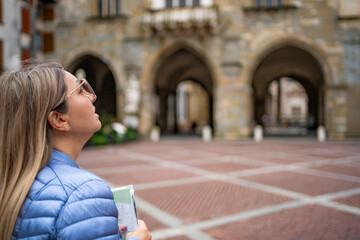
(131, 134)
(106, 135)
(99, 138)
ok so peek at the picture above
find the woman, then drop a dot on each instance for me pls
(47, 116)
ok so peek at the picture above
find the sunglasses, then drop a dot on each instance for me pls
(85, 88)
(84, 85)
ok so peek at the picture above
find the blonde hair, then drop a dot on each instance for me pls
(28, 95)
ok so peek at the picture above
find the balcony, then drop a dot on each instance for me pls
(187, 20)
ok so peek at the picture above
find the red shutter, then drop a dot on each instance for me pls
(25, 20)
(25, 54)
(48, 42)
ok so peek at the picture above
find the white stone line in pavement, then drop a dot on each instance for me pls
(216, 176)
(340, 207)
(229, 178)
(170, 183)
(248, 161)
(319, 163)
(307, 164)
(169, 220)
(320, 173)
(263, 170)
(195, 234)
(192, 230)
(267, 188)
(216, 222)
(176, 165)
(118, 169)
(302, 167)
(160, 215)
(337, 195)
(325, 200)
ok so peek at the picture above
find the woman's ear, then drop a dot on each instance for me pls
(58, 121)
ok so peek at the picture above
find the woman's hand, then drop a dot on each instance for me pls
(141, 233)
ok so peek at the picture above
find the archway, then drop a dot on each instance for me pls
(181, 66)
(296, 64)
(101, 79)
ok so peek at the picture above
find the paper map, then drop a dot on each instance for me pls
(125, 203)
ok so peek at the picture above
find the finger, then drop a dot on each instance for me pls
(141, 224)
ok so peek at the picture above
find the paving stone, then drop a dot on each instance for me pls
(146, 176)
(305, 223)
(151, 223)
(283, 157)
(327, 152)
(303, 183)
(225, 167)
(346, 170)
(353, 201)
(201, 201)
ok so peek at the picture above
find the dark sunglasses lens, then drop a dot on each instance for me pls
(88, 88)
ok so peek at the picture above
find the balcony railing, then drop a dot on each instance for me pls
(264, 5)
(194, 19)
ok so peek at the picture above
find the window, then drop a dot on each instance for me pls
(157, 4)
(268, 3)
(182, 3)
(169, 3)
(107, 8)
(255, 5)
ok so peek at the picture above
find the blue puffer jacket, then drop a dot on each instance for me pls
(66, 202)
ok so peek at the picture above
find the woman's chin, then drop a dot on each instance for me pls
(99, 126)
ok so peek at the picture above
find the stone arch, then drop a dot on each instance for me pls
(267, 44)
(72, 56)
(174, 62)
(102, 79)
(154, 63)
(297, 60)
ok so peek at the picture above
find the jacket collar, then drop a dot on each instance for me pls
(62, 157)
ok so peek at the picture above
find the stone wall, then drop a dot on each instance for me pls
(232, 51)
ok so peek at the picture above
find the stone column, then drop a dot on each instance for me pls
(147, 112)
(336, 114)
(132, 100)
(233, 111)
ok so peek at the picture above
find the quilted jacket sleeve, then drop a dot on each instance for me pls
(89, 213)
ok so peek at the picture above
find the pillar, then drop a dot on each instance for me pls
(233, 111)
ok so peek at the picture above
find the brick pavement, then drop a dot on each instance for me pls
(186, 189)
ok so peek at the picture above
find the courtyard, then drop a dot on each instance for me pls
(280, 188)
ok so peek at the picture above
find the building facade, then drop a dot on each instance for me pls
(138, 54)
(26, 30)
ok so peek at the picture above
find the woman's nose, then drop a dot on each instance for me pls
(92, 97)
